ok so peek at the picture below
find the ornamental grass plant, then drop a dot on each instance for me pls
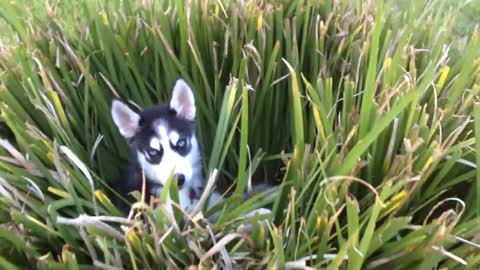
(364, 114)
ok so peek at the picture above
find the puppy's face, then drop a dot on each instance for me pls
(164, 140)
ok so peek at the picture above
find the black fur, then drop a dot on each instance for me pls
(129, 180)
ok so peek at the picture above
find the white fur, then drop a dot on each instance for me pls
(174, 137)
(154, 143)
(186, 203)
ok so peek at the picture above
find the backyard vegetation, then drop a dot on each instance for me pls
(362, 112)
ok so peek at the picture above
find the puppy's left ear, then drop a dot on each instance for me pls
(183, 101)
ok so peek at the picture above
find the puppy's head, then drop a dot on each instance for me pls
(163, 137)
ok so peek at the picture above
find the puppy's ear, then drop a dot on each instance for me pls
(183, 101)
(125, 119)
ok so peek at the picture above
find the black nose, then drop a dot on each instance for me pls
(180, 180)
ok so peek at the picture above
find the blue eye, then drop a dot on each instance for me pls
(181, 143)
(153, 152)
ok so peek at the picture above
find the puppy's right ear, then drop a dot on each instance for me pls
(183, 101)
(125, 119)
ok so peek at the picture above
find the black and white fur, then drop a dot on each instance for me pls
(162, 141)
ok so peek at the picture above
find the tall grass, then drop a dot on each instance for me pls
(362, 112)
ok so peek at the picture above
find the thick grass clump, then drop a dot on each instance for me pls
(363, 113)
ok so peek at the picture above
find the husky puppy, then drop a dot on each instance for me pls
(162, 141)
